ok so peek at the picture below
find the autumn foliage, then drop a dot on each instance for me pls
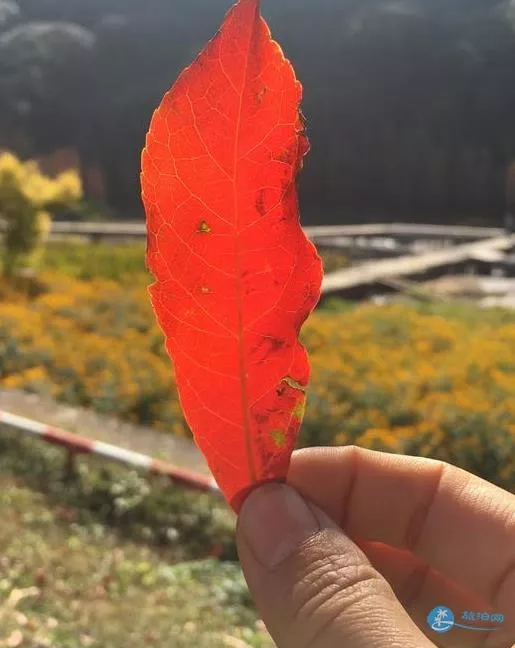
(236, 276)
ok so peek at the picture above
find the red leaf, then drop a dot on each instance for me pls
(235, 275)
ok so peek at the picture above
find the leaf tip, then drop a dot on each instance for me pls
(251, 6)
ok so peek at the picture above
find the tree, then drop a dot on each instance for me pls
(25, 196)
(46, 84)
(8, 10)
(410, 103)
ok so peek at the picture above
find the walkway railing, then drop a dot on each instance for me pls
(76, 445)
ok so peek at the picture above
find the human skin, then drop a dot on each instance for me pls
(359, 546)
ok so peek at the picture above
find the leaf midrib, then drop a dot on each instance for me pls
(239, 285)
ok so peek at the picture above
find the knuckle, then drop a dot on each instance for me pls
(334, 585)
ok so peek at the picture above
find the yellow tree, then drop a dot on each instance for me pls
(26, 195)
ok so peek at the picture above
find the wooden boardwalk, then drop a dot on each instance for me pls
(371, 273)
(401, 230)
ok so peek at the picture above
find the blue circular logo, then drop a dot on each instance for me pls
(440, 619)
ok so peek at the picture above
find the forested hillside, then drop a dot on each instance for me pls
(410, 103)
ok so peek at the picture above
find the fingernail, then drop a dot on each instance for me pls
(274, 521)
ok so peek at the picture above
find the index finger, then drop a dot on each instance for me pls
(463, 526)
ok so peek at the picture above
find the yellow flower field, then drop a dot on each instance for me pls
(391, 378)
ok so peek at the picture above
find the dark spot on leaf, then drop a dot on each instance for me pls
(276, 343)
(260, 202)
(270, 344)
(261, 418)
(289, 154)
(261, 95)
(204, 228)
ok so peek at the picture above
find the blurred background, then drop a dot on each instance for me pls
(409, 195)
(410, 103)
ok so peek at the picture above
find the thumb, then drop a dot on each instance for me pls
(312, 585)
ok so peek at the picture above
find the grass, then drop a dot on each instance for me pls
(123, 262)
(457, 310)
(67, 585)
(77, 569)
(467, 312)
(118, 262)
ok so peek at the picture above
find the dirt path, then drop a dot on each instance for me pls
(180, 452)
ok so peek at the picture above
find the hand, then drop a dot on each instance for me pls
(371, 545)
